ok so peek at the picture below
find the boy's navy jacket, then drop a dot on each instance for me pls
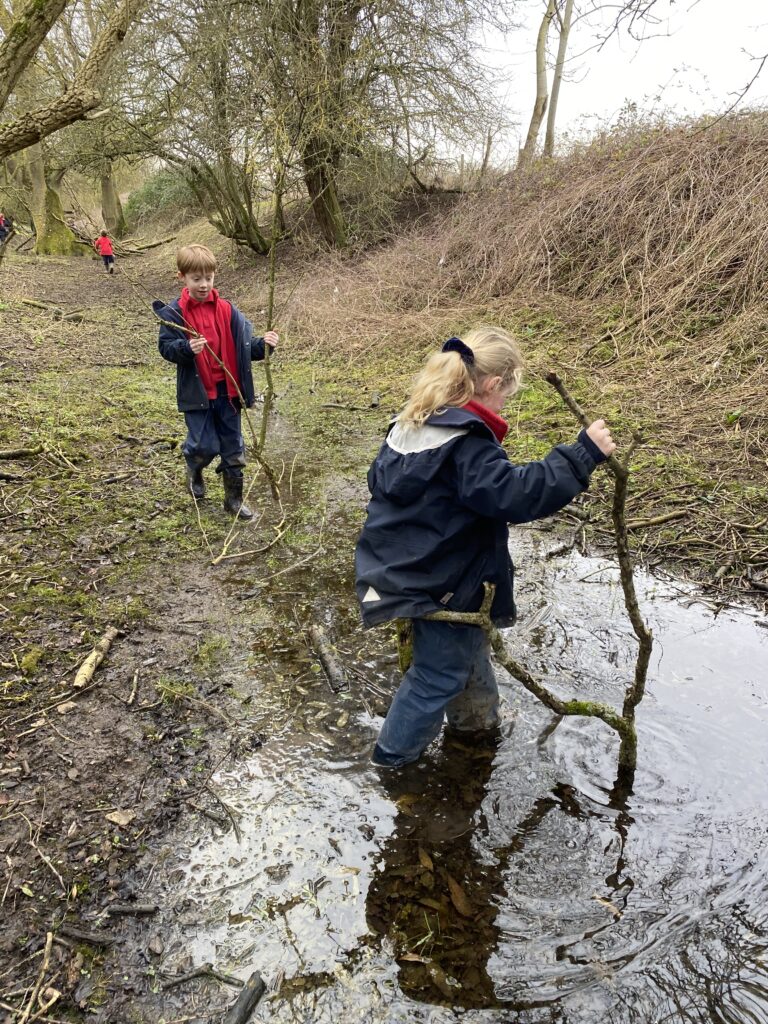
(441, 498)
(174, 346)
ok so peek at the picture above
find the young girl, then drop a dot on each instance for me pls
(442, 494)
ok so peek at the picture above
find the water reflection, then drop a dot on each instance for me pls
(435, 895)
(432, 897)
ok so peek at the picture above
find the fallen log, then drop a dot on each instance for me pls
(95, 658)
(152, 245)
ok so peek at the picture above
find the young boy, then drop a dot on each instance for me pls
(206, 390)
(103, 246)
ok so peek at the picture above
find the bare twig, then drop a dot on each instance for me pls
(203, 971)
(40, 978)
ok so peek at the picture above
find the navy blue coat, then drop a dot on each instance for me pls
(174, 346)
(441, 498)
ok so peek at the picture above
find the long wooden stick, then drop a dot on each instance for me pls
(482, 618)
(620, 469)
(270, 390)
(95, 658)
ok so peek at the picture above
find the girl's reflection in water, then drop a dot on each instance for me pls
(435, 896)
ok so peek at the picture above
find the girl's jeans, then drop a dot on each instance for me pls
(450, 674)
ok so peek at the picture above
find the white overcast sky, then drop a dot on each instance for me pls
(697, 62)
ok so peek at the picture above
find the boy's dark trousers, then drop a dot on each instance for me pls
(109, 264)
(216, 431)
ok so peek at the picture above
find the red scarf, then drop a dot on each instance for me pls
(209, 321)
(496, 423)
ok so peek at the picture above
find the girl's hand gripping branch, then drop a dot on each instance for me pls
(601, 435)
(272, 338)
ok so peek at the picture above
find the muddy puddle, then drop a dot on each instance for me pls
(516, 884)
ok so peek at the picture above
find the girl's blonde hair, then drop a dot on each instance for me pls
(448, 380)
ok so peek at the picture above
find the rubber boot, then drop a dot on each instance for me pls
(195, 482)
(233, 497)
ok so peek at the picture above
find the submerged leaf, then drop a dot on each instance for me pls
(459, 898)
(425, 860)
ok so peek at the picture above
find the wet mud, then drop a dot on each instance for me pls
(518, 883)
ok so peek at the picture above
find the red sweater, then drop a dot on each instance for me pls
(103, 245)
(211, 319)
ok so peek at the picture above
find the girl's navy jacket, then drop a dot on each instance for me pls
(441, 498)
(174, 346)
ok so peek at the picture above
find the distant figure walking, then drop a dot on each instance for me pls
(103, 246)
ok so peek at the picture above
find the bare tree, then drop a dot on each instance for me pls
(638, 18)
(564, 26)
(81, 95)
(542, 91)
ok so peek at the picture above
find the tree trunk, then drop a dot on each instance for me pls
(486, 157)
(111, 207)
(27, 31)
(52, 236)
(562, 47)
(540, 106)
(321, 186)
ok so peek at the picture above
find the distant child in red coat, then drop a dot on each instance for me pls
(103, 246)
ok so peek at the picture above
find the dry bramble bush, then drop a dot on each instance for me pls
(647, 252)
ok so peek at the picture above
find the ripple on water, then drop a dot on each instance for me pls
(661, 917)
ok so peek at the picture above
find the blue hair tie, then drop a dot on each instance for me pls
(457, 345)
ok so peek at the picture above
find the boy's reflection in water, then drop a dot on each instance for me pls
(435, 895)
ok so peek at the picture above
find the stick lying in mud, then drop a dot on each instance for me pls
(20, 453)
(132, 909)
(95, 658)
(333, 671)
(246, 1002)
(91, 938)
(203, 971)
